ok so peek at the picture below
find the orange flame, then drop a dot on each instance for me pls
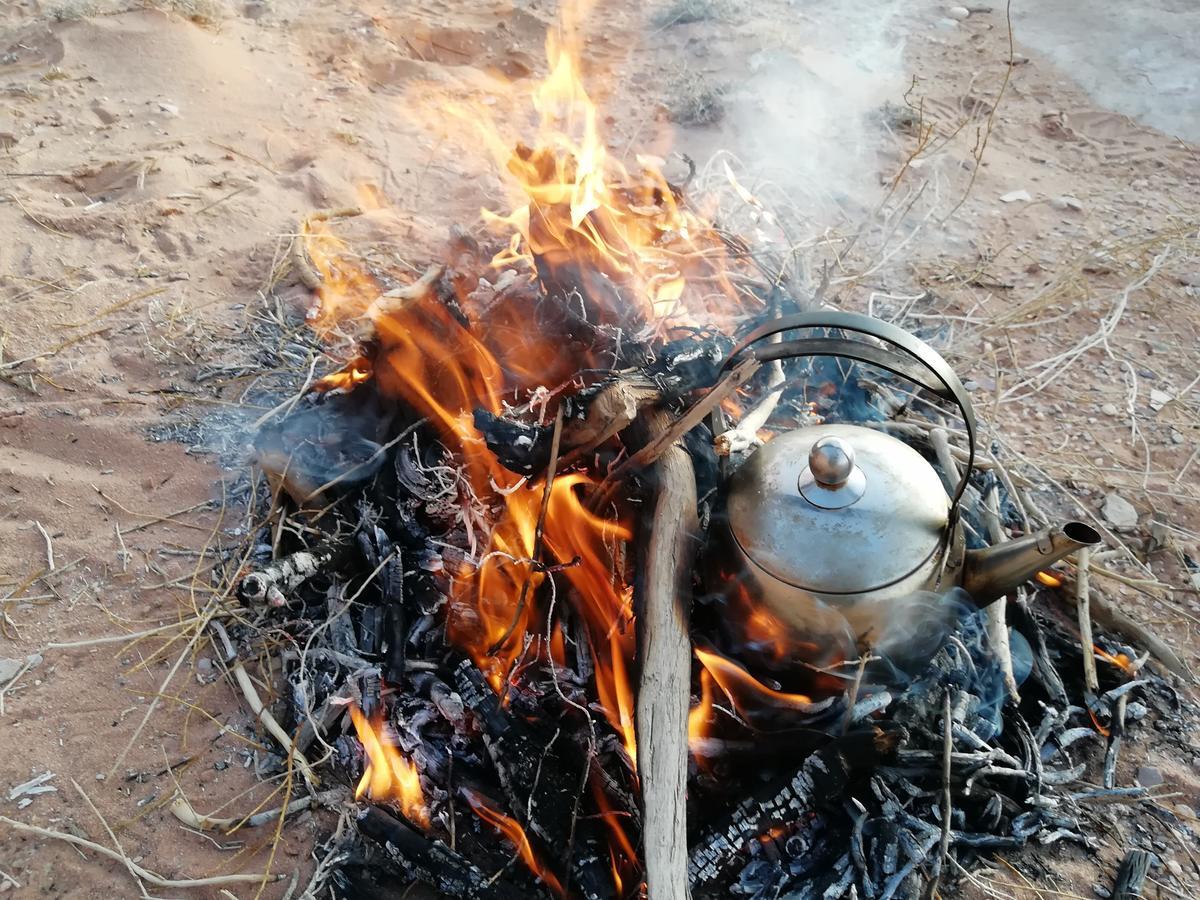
(353, 373)
(748, 695)
(516, 836)
(1121, 660)
(388, 776)
(1049, 579)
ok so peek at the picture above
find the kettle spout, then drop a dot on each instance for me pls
(991, 573)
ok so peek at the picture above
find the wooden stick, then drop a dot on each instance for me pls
(1108, 616)
(538, 534)
(658, 444)
(1083, 609)
(664, 681)
(939, 862)
(941, 449)
(144, 874)
(997, 613)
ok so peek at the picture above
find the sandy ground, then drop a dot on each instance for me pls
(152, 166)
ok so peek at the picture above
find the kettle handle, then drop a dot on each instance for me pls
(928, 361)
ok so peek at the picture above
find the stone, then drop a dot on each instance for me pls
(10, 667)
(1014, 196)
(1175, 868)
(958, 12)
(1119, 512)
(1109, 409)
(1159, 399)
(1149, 776)
(1067, 202)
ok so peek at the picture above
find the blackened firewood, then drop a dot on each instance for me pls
(541, 785)
(370, 624)
(520, 447)
(535, 777)
(431, 861)
(822, 779)
(273, 583)
(689, 363)
(1132, 875)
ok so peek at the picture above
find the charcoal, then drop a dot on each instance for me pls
(432, 861)
(519, 446)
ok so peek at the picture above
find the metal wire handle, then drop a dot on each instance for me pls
(946, 384)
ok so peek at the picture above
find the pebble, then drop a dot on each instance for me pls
(1175, 867)
(1119, 512)
(1159, 399)
(958, 12)
(1014, 196)
(1101, 891)
(1067, 202)
(10, 667)
(1149, 776)
(1109, 409)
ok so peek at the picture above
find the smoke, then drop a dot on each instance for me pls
(1141, 59)
(807, 117)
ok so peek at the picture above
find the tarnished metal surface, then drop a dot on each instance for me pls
(887, 533)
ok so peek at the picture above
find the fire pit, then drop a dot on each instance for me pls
(515, 643)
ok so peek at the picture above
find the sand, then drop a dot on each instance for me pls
(152, 168)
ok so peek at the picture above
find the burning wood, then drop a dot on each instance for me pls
(524, 490)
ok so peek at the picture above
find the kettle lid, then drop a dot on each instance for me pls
(837, 509)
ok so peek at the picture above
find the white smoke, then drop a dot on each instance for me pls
(807, 117)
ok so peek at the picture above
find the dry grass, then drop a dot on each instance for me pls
(692, 100)
(684, 12)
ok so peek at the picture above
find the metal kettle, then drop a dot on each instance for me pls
(838, 529)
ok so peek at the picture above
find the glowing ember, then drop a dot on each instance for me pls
(516, 836)
(388, 776)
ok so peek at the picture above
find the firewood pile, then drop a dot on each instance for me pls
(513, 654)
(484, 588)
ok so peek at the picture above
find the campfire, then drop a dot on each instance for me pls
(531, 636)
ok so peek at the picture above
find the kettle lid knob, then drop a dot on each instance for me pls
(831, 461)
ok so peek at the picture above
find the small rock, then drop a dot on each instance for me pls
(104, 113)
(1101, 891)
(958, 12)
(254, 10)
(1149, 776)
(1119, 512)
(1014, 196)
(1196, 580)
(1191, 279)
(1177, 438)
(170, 109)
(1175, 868)
(1159, 399)
(10, 667)
(1067, 202)
(1109, 409)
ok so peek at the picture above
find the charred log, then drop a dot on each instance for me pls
(431, 861)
